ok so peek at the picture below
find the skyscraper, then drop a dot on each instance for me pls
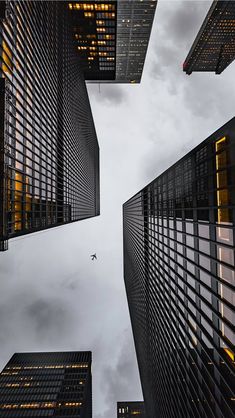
(49, 154)
(127, 409)
(180, 282)
(47, 384)
(214, 47)
(112, 38)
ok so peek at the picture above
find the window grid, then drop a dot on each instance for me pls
(179, 275)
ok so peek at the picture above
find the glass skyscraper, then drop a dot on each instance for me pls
(180, 282)
(214, 46)
(112, 38)
(49, 154)
(47, 384)
(134, 23)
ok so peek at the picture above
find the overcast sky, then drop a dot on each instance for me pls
(53, 297)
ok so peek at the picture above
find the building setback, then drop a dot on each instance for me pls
(112, 38)
(180, 282)
(49, 154)
(214, 47)
(129, 408)
(47, 384)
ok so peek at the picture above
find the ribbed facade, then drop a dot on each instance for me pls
(214, 47)
(134, 24)
(47, 384)
(112, 38)
(127, 409)
(49, 150)
(94, 26)
(180, 282)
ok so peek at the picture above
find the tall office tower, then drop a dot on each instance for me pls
(49, 154)
(180, 281)
(112, 37)
(47, 384)
(214, 47)
(128, 409)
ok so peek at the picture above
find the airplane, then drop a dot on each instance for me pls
(93, 256)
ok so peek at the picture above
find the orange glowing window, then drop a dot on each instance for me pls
(222, 180)
(7, 58)
(230, 353)
(18, 201)
(89, 14)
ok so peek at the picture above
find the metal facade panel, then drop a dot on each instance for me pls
(179, 275)
(52, 157)
(47, 384)
(214, 47)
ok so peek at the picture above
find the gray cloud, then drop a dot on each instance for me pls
(171, 42)
(52, 296)
(183, 22)
(207, 97)
(116, 378)
(109, 93)
(48, 317)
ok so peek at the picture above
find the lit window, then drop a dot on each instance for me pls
(89, 14)
(7, 58)
(221, 181)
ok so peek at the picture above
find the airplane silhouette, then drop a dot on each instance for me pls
(93, 256)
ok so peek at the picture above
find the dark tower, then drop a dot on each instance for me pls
(47, 384)
(49, 154)
(112, 37)
(214, 47)
(180, 282)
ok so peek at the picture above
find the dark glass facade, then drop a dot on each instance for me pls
(134, 25)
(214, 47)
(130, 409)
(47, 384)
(94, 27)
(49, 161)
(180, 282)
(112, 38)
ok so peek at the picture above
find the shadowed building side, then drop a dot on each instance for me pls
(94, 25)
(134, 24)
(44, 384)
(214, 47)
(49, 150)
(112, 38)
(180, 281)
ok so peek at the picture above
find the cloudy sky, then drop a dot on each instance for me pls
(52, 296)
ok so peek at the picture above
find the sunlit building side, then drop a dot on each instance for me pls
(50, 384)
(214, 47)
(180, 282)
